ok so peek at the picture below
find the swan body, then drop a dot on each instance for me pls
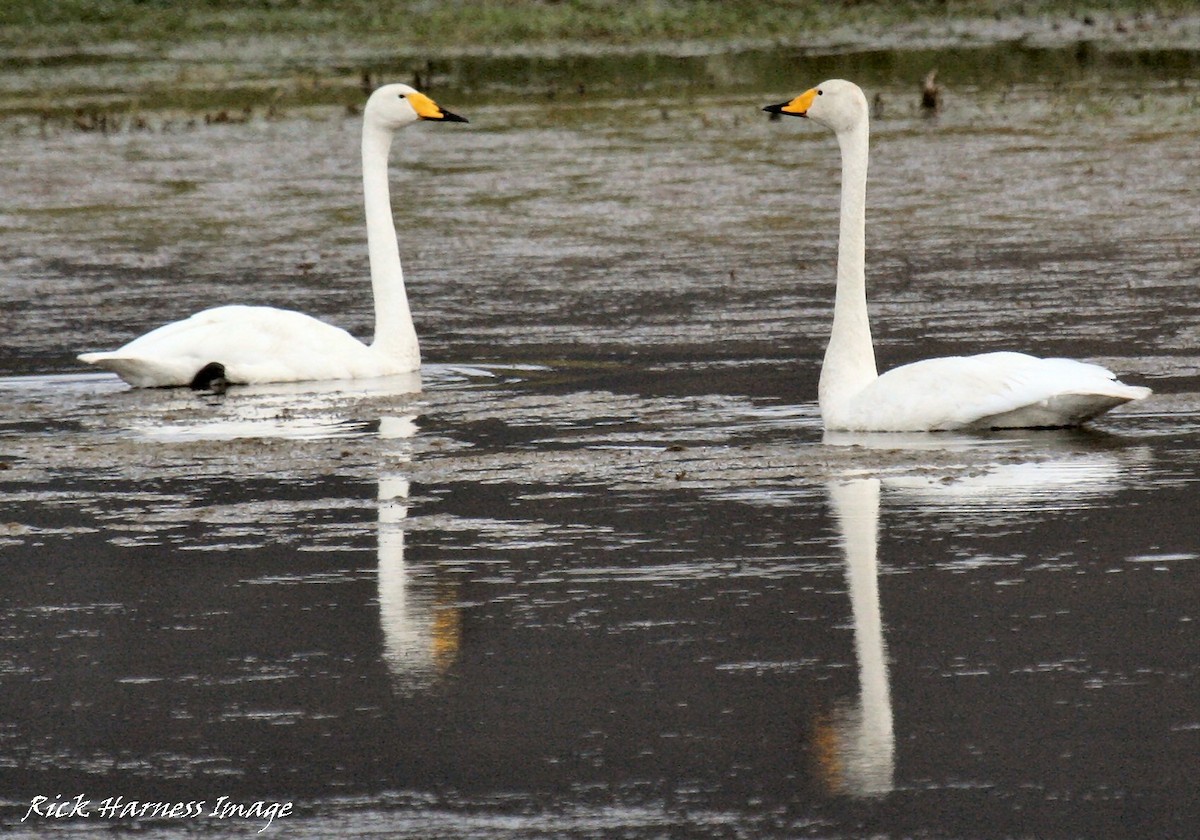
(987, 391)
(256, 344)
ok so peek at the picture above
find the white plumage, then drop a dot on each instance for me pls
(992, 390)
(253, 343)
(256, 344)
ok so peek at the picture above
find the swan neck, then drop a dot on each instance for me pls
(849, 364)
(395, 334)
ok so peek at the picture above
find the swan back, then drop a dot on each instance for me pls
(987, 391)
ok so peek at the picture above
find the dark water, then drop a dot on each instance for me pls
(602, 575)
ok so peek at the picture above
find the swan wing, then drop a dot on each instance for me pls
(991, 390)
(255, 344)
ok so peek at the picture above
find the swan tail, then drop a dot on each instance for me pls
(1064, 410)
(140, 372)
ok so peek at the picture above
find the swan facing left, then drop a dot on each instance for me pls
(245, 345)
(988, 391)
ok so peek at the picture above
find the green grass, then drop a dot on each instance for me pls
(70, 63)
(434, 25)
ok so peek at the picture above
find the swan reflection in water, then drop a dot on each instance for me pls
(1002, 472)
(422, 627)
(419, 619)
(855, 743)
(282, 410)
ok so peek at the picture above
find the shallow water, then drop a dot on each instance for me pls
(599, 573)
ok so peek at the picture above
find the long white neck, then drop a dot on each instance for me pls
(850, 358)
(395, 335)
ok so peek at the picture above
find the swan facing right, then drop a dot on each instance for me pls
(243, 345)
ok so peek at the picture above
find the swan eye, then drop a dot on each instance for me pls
(820, 93)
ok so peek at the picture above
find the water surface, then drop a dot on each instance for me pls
(598, 572)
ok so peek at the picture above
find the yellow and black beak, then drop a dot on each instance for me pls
(427, 109)
(797, 107)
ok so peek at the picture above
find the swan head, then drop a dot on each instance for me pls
(835, 104)
(395, 106)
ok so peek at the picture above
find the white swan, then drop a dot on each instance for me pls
(254, 344)
(992, 390)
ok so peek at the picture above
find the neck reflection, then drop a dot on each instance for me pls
(856, 743)
(422, 628)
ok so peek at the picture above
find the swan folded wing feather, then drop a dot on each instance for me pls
(254, 343)
(984, 391)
